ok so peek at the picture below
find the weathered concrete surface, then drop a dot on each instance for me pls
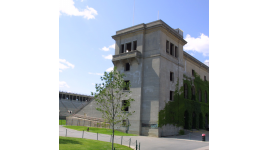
(149, 74)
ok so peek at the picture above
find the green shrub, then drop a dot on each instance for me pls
(181, 132)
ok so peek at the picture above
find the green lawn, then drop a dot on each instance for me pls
(99, 130)
(62, 122)
(70, 143)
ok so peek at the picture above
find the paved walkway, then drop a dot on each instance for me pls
(146, 143)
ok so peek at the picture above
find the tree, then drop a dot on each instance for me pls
(109, 96)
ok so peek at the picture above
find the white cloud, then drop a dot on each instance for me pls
(206, 62)
(108, 48)
(105, 48)
(199, 44)
(63, 64)
(110, 69)
(67, 7)
(100, 74)
(108, 56)
(63, 84)
(82, 0)
(112, 46)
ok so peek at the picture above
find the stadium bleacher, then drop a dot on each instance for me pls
(66, 105)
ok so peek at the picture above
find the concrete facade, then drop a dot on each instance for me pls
(150, 69)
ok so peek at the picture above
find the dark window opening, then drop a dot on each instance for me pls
(205, 79)
(122, 48)
(126, 85)
(192, 72)
(128, 47)
(124, 123)
(167, 46)
(206, 98)
(125, 105)
(193, 93)
(127, 67)
(200, 96)
(171, 95)
(135, 45)
(176, 51)
(185, 91)
(171, 76)
(171, 49)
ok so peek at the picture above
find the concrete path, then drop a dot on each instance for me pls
(146, 143)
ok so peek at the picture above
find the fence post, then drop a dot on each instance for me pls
(83, 134)
(97, 135)
(190, 135)
(129, 142)
(66, 133)
(136, 145)
(121, 139)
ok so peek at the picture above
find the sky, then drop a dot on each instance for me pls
(85, 29)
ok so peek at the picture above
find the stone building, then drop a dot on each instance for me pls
(152, 58)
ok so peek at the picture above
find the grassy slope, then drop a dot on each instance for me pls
(99, 130)
(69, 143)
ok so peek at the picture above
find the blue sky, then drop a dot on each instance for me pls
(86, 27)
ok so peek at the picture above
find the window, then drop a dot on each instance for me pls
(193, 93)
(206, 98)
(135, 45)
(205, 79)
(167, 46)
(171, 49)
(176, 51)
(127, 67)
(124, 123)
(126, 83)
(185, 91)
(171, 95)
(171, 76)
(200, 96)
(192, 72)
(122, 48)
(128, 47)
(125, 105)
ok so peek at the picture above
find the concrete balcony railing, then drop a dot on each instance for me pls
(128, 55)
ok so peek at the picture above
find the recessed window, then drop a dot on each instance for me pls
(193, 93)
(122, 48)
(200, 95)
(205, 79)
(171, 76)
(185, 91)
(126, 85)
(176, 51)
(127, 67)
(192, 72)
(135, 45)
(167, 46)
(124, 123)
(171, 49)
(171, 95)
(125, 105)
(128, 47)
(206, 97)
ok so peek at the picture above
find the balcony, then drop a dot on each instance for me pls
(127, 56)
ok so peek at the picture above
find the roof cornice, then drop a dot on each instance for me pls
(151, 25)
(185, 54)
